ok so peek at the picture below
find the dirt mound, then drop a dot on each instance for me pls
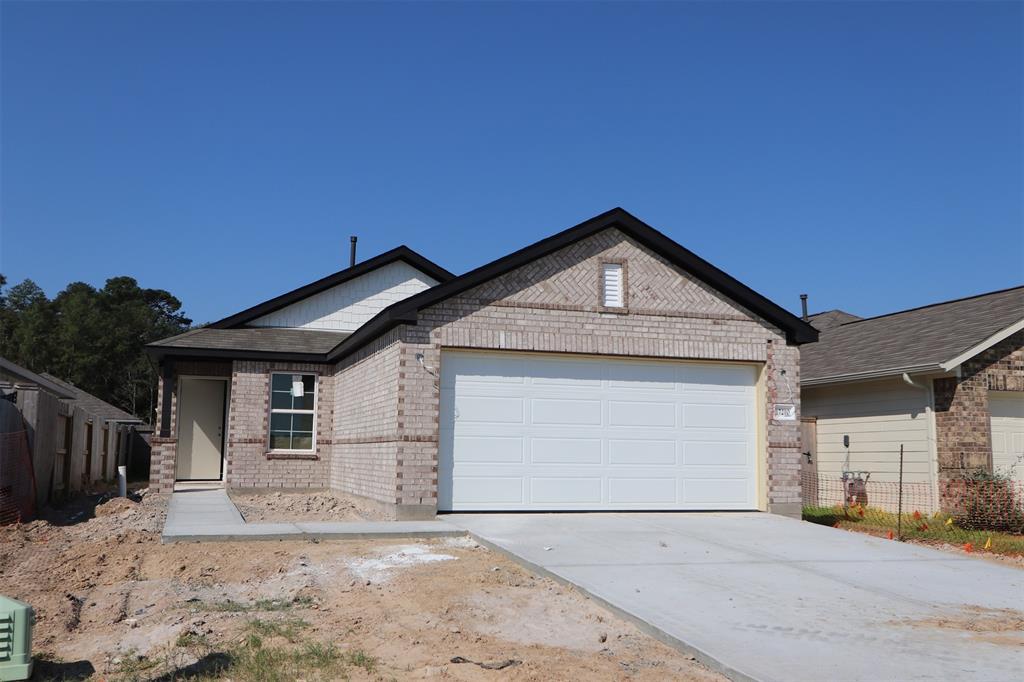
(284, 507)
(115, 506)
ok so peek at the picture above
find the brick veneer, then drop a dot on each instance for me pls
(962, 420)
(249, 462)
(366, 418)
(552, 305)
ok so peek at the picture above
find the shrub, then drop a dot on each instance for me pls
(985, 501)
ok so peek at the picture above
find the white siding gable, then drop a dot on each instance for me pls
(347, 306)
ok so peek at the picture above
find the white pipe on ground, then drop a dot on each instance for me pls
(122, 481)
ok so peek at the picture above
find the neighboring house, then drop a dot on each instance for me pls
(945, 381)
(75, 437)
(605, 367)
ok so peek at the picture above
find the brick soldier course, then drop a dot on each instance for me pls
(378, 414)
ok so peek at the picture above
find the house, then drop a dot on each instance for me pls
(945, 381)
(75, 438)
(604, 367)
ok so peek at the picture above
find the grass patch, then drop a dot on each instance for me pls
(289, 629)
(191, 640)
(938, 528)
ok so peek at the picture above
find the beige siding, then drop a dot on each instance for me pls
(879, 416)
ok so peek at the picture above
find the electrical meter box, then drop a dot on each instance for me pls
(16, 621)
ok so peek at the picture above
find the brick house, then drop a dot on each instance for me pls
(604, 367)
(946, 381)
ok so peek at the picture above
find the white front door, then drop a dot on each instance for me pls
(556, 432)
(200, 429)
(1007, 410)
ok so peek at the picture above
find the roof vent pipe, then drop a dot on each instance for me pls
(352, 251)
(803, 304)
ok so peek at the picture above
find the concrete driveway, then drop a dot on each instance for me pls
(768, 598)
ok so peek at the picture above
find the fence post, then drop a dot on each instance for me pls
(899, 503)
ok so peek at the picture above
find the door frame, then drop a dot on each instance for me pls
(224, 427)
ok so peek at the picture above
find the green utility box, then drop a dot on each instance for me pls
(16, 621)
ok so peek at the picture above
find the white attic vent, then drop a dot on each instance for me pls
(611, 274)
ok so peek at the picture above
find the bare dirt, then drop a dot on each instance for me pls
(113, 603)
(999, 626)
(288, 507)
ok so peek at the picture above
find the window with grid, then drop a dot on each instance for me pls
(292, 411)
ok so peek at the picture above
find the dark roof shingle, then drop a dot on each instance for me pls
(257, 339)
(920, 338)
(831, 319)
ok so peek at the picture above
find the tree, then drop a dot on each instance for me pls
(94, 338)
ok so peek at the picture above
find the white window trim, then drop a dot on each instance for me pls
(271, 411)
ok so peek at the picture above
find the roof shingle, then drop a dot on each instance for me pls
(916, 339)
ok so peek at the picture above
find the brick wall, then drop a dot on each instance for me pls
(962, 421)
(246, 449)
(552, 305)
(365, 424)
(249, 462)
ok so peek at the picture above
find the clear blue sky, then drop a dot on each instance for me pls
(867, 153)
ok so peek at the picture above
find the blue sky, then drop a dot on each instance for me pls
(867, 153)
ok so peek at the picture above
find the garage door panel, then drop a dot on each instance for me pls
(635, 376)
(565, 491)
(716, 377)
(637, 414)
(720, 493)
(595, 434)
(542, 373)
(716, 454)
(489, 490)
(642, 452)
(715, 416)
(565, 450)
(486, 410)
(487, 449)
(633, 491)
(565, 412)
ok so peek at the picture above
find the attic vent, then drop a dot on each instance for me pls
(611, 289)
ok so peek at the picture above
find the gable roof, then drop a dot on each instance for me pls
(931, 338)
(92, 404)
(831, 319)
(796, 330)
(401, 253)
(406, 311)
(8, 367)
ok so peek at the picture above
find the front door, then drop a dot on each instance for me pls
(201, 429)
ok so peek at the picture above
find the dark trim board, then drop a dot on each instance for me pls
(403, 253)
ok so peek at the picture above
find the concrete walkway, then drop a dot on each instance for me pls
(211, 516)
(761, 597)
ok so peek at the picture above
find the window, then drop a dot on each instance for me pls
(292, 410)
(611, 285)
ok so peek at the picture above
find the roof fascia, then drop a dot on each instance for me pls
(992, 340)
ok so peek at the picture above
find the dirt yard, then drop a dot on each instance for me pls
(114, 604)
(287, 507)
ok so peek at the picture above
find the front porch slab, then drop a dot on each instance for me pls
(211, 516)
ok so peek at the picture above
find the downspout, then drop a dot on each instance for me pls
(933, 451)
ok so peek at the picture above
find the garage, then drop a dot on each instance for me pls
(522, 431)
(1007, 410)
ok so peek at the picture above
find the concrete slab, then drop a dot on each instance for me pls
(762, 597)
(211, 516)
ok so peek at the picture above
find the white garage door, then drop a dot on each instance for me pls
(549, 432)
(1007, 410)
